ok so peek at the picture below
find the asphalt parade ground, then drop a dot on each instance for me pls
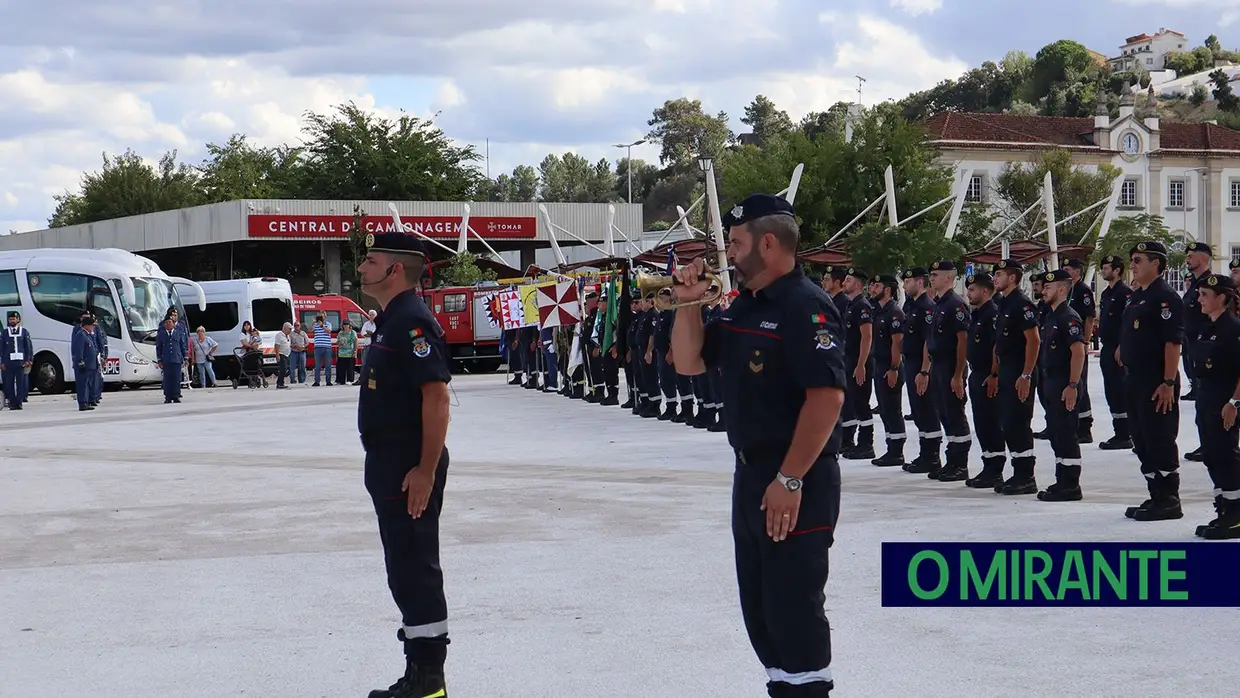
(226, 546)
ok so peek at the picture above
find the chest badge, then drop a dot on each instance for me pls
(1136, 324)
(755, 367)
(1165, 314)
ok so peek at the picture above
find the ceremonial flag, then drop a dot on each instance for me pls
(625, 312)
(613, 306)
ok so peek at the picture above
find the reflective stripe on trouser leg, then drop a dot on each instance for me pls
(427, 630)
(952, 413)
(1015, 415)
(891, 409)
(803, 677)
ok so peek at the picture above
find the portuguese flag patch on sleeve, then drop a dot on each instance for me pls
(818, 319)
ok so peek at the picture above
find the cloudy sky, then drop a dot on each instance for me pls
(532, 76)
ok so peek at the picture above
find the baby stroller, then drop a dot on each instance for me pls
(250, 368)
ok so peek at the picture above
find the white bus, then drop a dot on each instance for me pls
(130, 295)
(266, 302)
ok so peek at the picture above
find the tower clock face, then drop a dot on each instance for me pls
(1132, 144)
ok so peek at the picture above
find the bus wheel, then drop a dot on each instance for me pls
(47, 374)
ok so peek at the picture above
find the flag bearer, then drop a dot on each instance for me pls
(1014, 375)
(858, 349)
(608, 317)
(943, 368)
(17, 353)
(1115, 298)
(1149, 351)
(987, 420)
(1216, 363)
(887, 369)
(1061, 362)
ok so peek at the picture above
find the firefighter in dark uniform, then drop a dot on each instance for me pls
(1234, 268)
(527, 344)
(632, 373)
(918, 316)
(1216, 363)
(1014, 375)
(980, 355)
(1149, 351)
(1197, 258)
(833, 284)
(778, 345)
(1061, 363)
(943, 368)
(1082, 301)
(1114, 299)
(402, 416)
(859, 360)
(888, 370)
(645, 352)
(1043, 309)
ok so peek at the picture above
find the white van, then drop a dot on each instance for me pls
(266, 302)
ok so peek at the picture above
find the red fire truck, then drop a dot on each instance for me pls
(471, 324)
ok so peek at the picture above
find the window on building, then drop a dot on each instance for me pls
(8, 289)
(1235, 253)
(454, 303)
(973, 194)
(1175, 193)
(1235, 194)
(1149, 61)
(1128, 193)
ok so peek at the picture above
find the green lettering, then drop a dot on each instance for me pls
(1015, 578)
(1143, 574)
(944, 575)
(1038, 577)
(970, 577)
(1166, 575)
(1073, 575)
(1102, 568)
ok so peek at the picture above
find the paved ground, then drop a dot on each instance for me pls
(226, 547)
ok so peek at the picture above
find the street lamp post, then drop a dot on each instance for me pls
(629, 167)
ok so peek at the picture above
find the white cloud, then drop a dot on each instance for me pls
(917, 7)
(536, 77)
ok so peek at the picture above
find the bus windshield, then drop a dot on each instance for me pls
(154, 298)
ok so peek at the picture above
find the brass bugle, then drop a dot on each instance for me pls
(660, 288)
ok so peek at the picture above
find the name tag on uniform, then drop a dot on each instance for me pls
(16, 356)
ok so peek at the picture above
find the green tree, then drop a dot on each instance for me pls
(1126, 231)
(685, 131)
(645, 177)
(765, 119)
(238, 170)
(1060, 63)
(1199, 95)
(521, 185)
(573, 179)
(354, 154)
(1212, 43)
(463, 270)
(1019, 185)
(829, 123)
(128, 186)
(1227, 100)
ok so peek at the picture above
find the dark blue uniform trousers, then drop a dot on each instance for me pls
(81, 383)
(171, 381)
(782, 584)
(96, 384)
(410, 547)
(15, 382)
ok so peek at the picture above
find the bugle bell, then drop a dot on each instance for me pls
(660, 288)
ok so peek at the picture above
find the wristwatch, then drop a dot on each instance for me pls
(1026, 376)
(1235, 404)
(1072, 385)
(791, 484)
(923, 373)
(1170, 382)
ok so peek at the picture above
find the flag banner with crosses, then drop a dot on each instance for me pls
(512, 315)
(558, 304)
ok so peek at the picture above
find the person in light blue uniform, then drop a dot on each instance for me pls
(17, 352)
(101, 342)
(85, 360)
(171, 348)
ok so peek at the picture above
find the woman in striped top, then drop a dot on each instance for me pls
(322, 348)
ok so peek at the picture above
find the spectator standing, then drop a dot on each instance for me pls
(203, 349)
(322, 349)
(284, 348)
(346, 352)
(297, 359)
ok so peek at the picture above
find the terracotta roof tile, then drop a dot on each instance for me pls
(1024, 132)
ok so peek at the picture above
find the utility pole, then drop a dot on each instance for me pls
(629, 167)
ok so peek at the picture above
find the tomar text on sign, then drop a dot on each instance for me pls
(496, 227)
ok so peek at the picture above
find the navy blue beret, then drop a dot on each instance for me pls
(757, 206)
(915, 273)
(980, 278)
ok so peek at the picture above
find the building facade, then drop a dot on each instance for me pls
(210, 242)
(1189, 174)
(1148, 52)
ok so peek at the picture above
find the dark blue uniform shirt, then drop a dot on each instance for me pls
(1193, 317)
(1063, 328)
(771, 346)
(1111, 318)
(918, 316)
(408, 350)
(888, 323)
(1153, 318)
(859, 314)
(951, 316)
(1081, 299)
(1216, 361)
(982, 337)
(1016, 316)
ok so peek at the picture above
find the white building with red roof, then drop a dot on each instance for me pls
(1148, 52)
(1187, 173)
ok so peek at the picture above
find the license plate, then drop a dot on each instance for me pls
(269, 360)
(112, 367)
